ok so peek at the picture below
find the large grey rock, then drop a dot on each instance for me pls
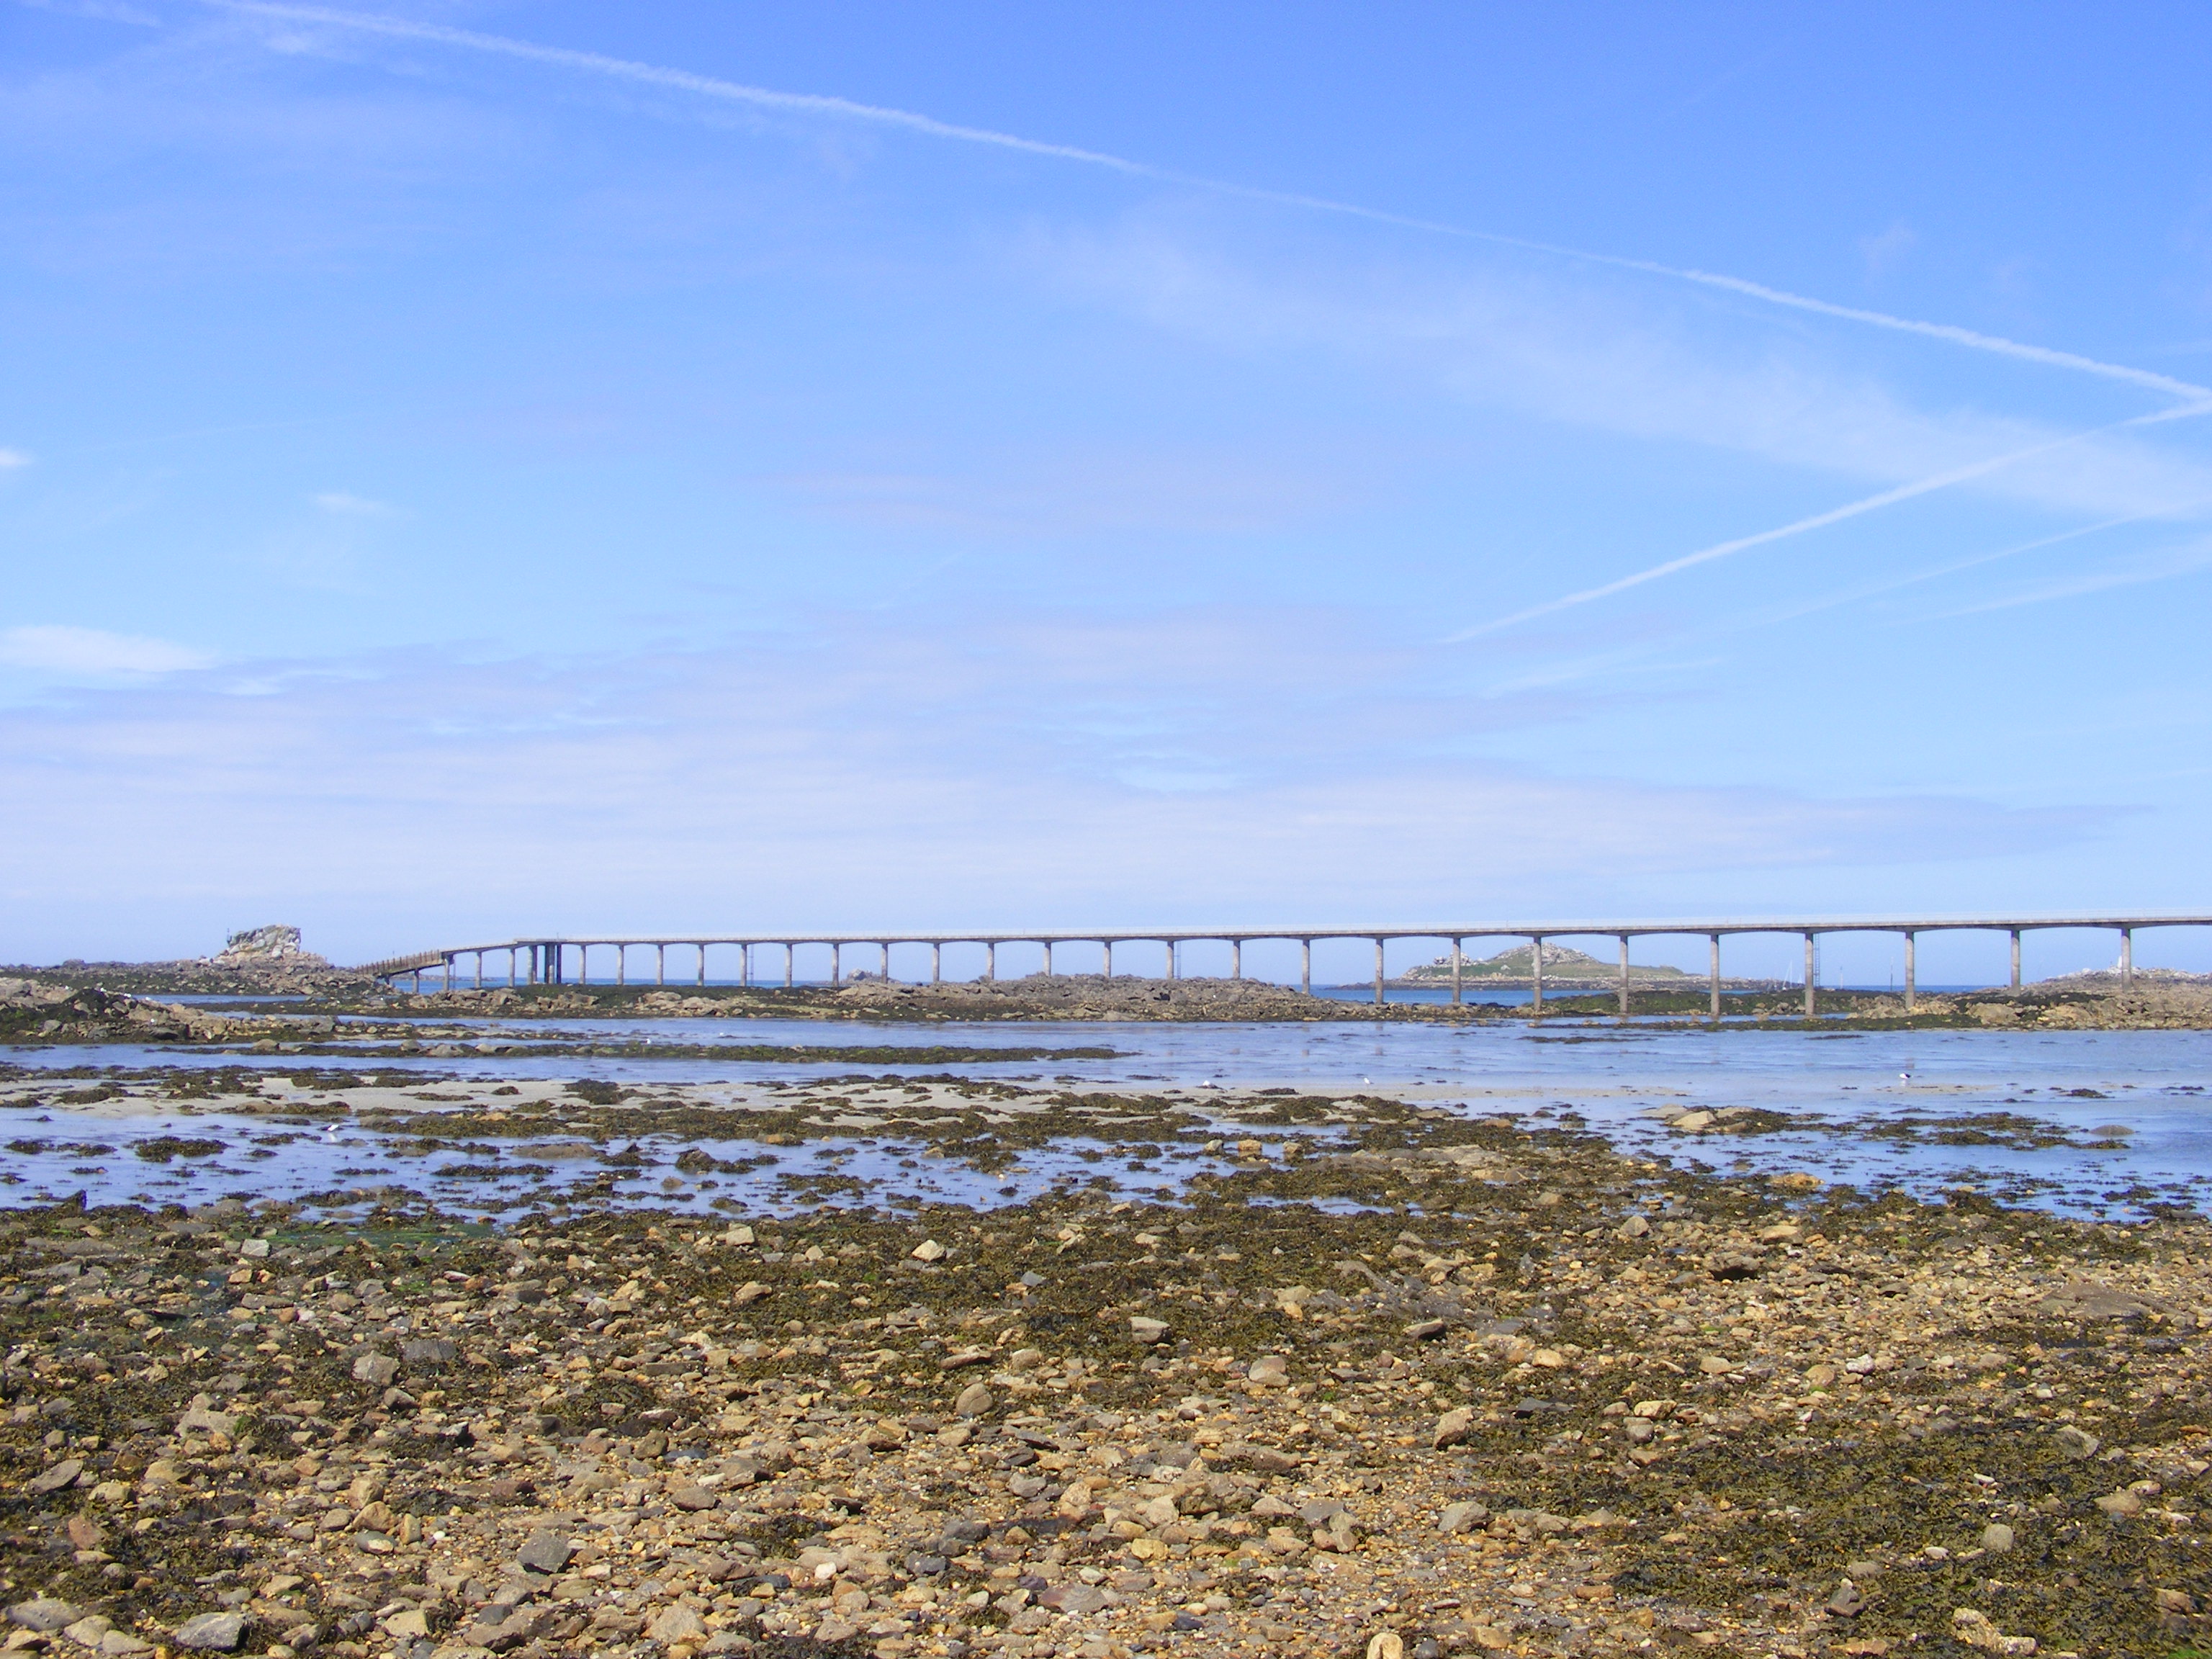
(216, 1633)
(546, 1552)
(676, 1623)
(1076, 1599)
(44, 1614)
(53, 1479)
(974, 1399)
(204, 1418)
(379, 1370)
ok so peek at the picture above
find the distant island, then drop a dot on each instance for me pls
(1563, 969)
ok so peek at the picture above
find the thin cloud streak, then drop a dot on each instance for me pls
(2186, 562)
(1818, 521)
(848, 109)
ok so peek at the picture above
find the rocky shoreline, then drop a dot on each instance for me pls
(1391, 1381)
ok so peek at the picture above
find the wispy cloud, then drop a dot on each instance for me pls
(845, 109)
(1043, 766)
(12, 458)
(103, 11)
(346, 506)
(2184, 560)
(1816, 521)
(94, 653)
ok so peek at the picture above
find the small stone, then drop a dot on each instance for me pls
(1076, 1599)
(2120, 1503)
(428, 1351)
(379, 1370)
(1452, 1428)
(410, 1625)
(676, 1623)
(693, 1498)
(45, 1615)
(546, 1553)
(217, 1632)
(1427, 1330)
(1269, 1370)
(122, 1644)
(974, 1401)
(929, 1250)
(2077, 1442)
(752, 1290)
(1550, 1358)
(1976, 1630)
(1387, 1644)
(1460, 1517)
(1635, 1227)
(1158, 1512)
(1147, 1330)
(1996, 1538)
(1848, 1602)
(88, 1630)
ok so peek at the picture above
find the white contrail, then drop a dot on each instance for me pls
(846, 109)
(1904, 492)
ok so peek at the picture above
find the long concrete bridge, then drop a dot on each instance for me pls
(547, 961)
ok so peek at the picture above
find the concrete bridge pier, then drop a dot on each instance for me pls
(1048, 958)
(1378, 973)
(702, 949)
(1305, 966)
(1236, 958)
(1910, 939)
(1536, 976)
(2127, 957)
(1716, 979)
(1459, 960)
(2016, 958)
(660, 964)
(622, 964)
(1812, 972)
(1624, 976)
(991, 963)
(583, 964)
(936, 961)
(511, 966)
(1169, 945)
(1106, 957)
(887, 962)
(790, 968)
(836, 966)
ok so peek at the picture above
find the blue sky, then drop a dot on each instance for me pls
(473, 469)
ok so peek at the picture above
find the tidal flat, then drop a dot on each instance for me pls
(1479, 1383)
(671, 1338)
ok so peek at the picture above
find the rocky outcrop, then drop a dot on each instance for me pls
(256, 947)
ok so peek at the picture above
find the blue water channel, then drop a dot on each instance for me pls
(2132, 1106)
